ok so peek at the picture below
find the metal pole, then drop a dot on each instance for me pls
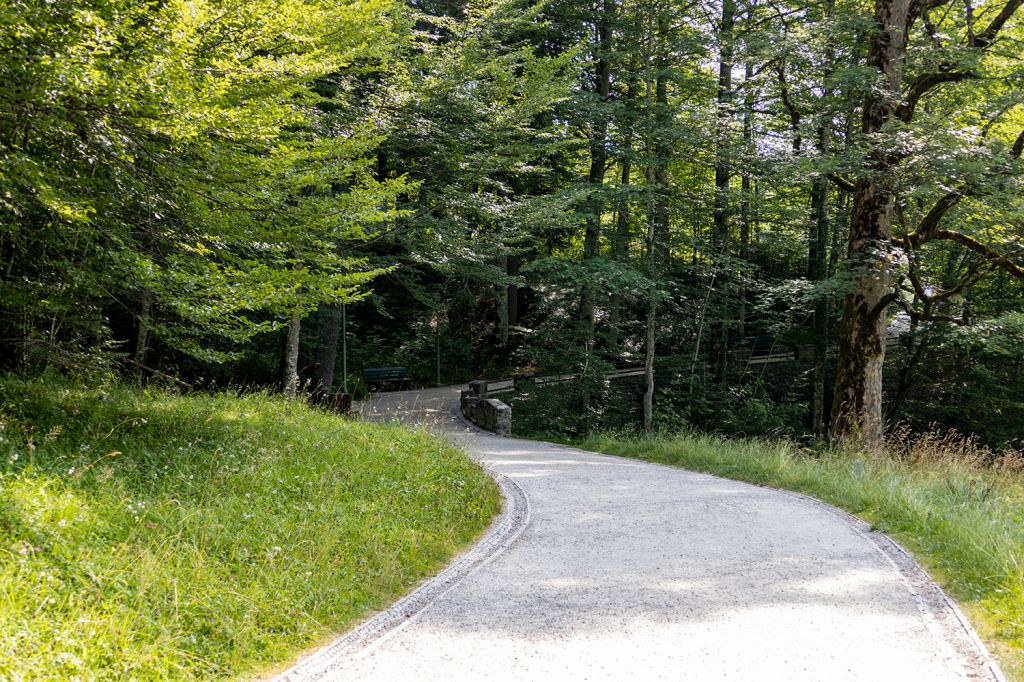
(344, 350)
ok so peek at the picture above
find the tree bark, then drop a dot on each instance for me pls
(327, 348)
(658, 246)
(649, 349)
(598, 164)
(816, 269)
(501, 305)
(723, 174)
(723, 170)
(818, 242)
(142, 328)
(745, 218)
(857, 402)
(662, 238)
(291, 357)
(620, 251)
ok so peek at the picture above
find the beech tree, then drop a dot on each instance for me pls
(164, 164)
(910, 66)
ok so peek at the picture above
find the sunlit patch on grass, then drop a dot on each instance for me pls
(153, 536)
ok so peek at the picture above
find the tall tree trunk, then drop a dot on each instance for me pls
(842, 218)
(598, 164)
(649, 349)
(620, 251)
(501, 304)
(513, 291)
(662, 238)
(327, 348)
(755, 214)
(140, 347)
(817, 245)
(745, 218)
(723, 174)
(291, 357)
(817, 254)
(857, 403)
(658, 237)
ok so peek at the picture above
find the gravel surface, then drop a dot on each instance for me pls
(625, 570)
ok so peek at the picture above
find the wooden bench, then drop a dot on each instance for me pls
(395, 377)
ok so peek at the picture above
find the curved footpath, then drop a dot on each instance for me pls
(603, 568)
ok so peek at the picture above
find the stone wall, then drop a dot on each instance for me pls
(489, 414)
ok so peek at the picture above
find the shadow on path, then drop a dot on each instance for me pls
(629, 570)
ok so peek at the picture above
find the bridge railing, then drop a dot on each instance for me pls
(498, 386)
(479, 403)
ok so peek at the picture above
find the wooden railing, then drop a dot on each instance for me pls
(749, 356)
(499, 386)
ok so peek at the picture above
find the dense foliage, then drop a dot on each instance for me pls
(794, 218)
(206, 189)
(171, 170)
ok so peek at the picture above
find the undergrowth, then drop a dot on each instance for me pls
(145, 535)
(957, 506)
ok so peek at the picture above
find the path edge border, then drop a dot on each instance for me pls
(940, 610)
(501, 534)
(932, 600)
(930, 596)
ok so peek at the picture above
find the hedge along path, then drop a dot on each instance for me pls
(627, 569)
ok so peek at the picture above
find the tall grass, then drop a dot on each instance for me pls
(145, 535)
(956, 506)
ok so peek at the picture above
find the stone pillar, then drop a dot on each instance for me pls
(478, 388)
(489, 414)
(502, 418)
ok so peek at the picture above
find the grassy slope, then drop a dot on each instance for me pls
(964, 523)
(151, 536)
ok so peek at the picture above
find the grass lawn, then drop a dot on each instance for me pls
(962, 517)
(145, 535)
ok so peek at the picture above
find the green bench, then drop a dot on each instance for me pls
(395, 377)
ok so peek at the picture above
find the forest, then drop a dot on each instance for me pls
(197, 190)
(780, 241)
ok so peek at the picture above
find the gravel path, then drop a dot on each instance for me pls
(605, 568)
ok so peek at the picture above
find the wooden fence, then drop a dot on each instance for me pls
(750, 358)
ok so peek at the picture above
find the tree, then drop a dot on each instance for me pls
(159, 160)
(890, 109)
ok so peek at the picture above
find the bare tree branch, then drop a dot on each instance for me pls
(884, 302)
(988, 36)
(930, 222)
(992, 257)
(841, 181)
(920, 7)
(927, 228)
(922, 84)
(947, 72)
(787, 101)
